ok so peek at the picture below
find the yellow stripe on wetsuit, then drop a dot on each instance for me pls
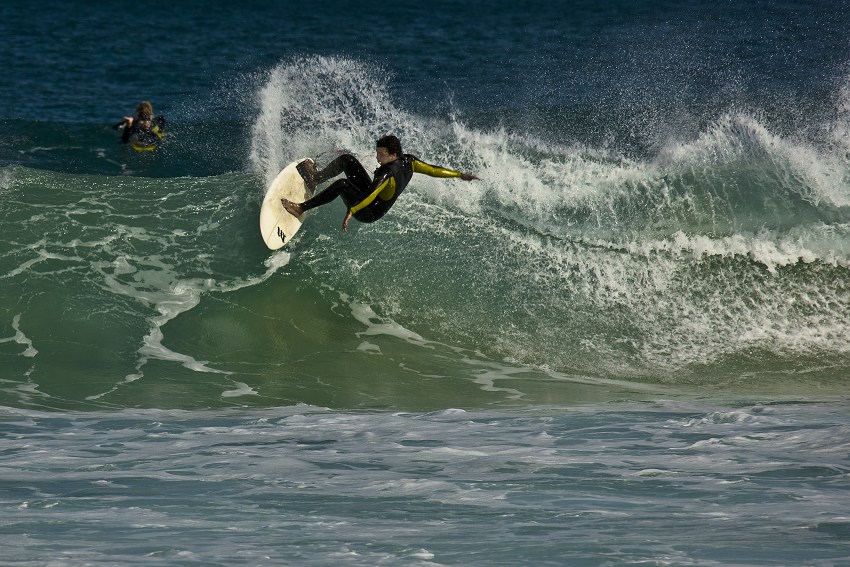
(140, 148)
(386, 190)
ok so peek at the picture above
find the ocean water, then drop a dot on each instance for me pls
(627, 344)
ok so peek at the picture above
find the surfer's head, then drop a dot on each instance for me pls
(144, 111)
(387, 149)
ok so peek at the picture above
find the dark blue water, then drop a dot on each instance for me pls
(620, 74)
(626, 344)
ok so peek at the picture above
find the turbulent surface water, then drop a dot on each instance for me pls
(626, 344)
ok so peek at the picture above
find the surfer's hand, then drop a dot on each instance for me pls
(345, 222)
(468, 176)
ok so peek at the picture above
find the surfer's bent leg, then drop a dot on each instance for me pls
(348, 164)
(353, 189)
(344, 188)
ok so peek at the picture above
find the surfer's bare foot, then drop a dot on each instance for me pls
(294, 209)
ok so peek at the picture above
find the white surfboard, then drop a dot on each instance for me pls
(276, 225)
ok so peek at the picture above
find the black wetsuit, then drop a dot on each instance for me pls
(370, 199)
(144, 139)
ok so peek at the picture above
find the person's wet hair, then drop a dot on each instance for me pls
(391, 143)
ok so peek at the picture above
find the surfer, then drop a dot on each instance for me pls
(367, 199)
(143, 132)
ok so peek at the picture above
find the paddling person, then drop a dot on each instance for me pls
(367, 199)
(143, 132)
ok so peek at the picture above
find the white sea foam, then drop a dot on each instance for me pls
(20, 338)
(817, 174)
(376, 325)
(292, 109)
(241, 389)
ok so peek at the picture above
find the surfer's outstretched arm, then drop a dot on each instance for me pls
(420, 166)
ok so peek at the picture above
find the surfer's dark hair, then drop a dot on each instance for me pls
(391, 143)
